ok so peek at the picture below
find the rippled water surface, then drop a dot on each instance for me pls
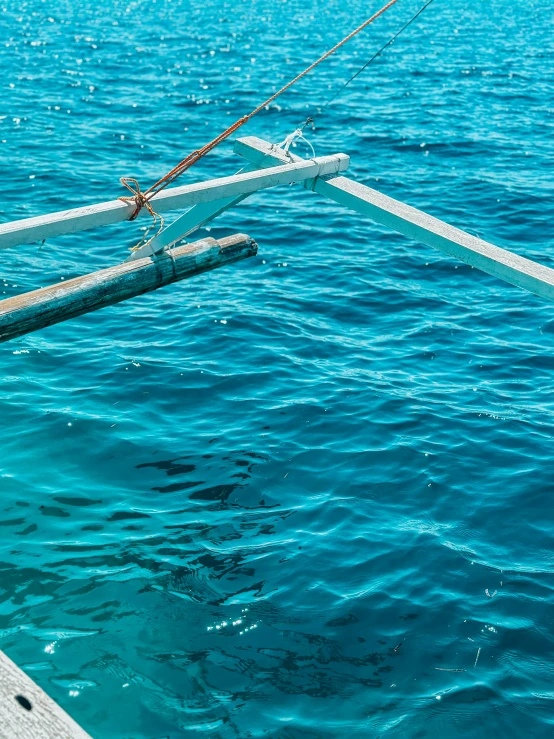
(308, 495)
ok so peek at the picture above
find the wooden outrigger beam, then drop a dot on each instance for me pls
(29, 230)
(155, 264)
(31, 311)
(413, 223)
(26, 712)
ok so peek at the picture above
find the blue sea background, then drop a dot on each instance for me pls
(310, 494)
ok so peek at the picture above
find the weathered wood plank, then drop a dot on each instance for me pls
(29, 230)
(26, 712)
(417, 225)
(32, 311)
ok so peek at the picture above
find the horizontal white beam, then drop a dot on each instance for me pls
(39, 228)
(417, 225)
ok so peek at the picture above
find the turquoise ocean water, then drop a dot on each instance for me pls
(309, 495)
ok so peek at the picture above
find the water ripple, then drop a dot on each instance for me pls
(307, 495)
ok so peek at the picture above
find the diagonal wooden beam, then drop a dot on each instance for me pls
(188, 223)
(201, 214)
(114, 211)
(415, 224)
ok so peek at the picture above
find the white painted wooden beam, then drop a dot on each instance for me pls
(26, 712)
(417, 225)
(200, 214)
(39, 228)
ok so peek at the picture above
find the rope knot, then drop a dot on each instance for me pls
(141, 200)
(138, 197)
(296, 135)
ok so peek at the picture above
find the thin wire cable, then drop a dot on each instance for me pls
(324, 57)
(323, 108)
(377, 54)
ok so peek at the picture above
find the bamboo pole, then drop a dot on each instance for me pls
(32, 311)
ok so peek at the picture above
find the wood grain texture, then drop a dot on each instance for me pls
(29, 230)
(32, 311)
(415, 224)
(44, 720)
